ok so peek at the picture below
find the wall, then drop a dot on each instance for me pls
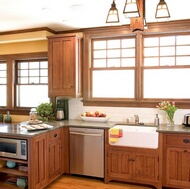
(146, 115)
(23, 47)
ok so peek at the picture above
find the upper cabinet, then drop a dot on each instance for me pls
(65, 65)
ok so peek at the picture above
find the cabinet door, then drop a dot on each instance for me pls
(55, 159)
(38, 162)
(145, 167)
(119, 164)
(178, 167)
(64, 66)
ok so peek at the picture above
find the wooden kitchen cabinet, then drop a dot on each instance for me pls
(133, 165)
(177, 160)
(65, 65)
(55, 154)
(37, 157)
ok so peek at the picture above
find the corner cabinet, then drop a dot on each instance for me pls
(177, 160)
(65, 65)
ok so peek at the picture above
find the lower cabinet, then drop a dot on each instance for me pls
(133, 165)
(177, 160)
(126, 164)
(55, 154)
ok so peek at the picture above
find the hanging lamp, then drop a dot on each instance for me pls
(131, 9)
(162, 10)
(113, 16)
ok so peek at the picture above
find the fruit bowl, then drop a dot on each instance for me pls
(95, 119)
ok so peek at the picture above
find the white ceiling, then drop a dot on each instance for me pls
(60, 15)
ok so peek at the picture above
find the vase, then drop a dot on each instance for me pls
(170, 118)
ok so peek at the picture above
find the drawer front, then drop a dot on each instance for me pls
(55, 134)
(178, 140)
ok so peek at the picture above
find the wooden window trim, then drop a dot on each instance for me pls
(154, 28)
(10, 60)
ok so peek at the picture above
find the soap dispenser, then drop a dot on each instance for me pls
(156, 120)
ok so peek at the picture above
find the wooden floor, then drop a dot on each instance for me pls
(76, 182)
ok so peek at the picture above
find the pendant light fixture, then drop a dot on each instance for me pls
(113, 16)
(131, 9)
(162, 10)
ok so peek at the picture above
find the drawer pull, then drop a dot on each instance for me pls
(186, 141)
(55, 135)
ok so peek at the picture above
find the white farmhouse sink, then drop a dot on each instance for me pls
(136, 136)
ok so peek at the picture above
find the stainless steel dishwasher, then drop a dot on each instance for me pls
(87, 152)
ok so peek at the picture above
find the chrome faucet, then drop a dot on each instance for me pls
(136, 119)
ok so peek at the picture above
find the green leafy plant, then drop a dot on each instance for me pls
(44, 110)
(169, 108)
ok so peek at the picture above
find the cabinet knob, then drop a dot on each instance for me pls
(55, 135)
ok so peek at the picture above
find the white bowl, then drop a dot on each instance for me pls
(95, 119)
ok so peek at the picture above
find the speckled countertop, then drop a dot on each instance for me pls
(14, 129)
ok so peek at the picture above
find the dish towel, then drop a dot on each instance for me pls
(115, 134)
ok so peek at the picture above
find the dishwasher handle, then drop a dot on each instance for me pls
(86, 134)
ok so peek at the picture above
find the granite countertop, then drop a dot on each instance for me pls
(7, 129)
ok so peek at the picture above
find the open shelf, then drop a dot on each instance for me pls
(13, 171)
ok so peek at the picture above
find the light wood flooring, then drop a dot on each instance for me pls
(77, 182)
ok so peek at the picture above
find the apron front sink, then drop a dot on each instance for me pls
(134, 136)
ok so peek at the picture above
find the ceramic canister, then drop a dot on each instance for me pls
(21, 182)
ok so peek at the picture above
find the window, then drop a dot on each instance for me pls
(113, 68)
(3, 84)
(31, 82)
(167, 66)
(137, 69)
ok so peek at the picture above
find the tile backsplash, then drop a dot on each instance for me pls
(146, 115)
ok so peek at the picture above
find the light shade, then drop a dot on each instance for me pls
(131, 9)
(162, 10)
(113, 16)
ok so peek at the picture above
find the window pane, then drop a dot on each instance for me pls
(99, 44)
(151, 62)
(165, 41)
(167, 51)
(184, 50)
(44, 72)
(100, 63)
(182, 40)
(163, 83)
(152, 41)
(113, 44)
(183, 60)
(128, 53)
(113, 62)
(167, 61)
(31, 95)
(33, 80)
(113, 84)
(43, 64)
(128, 62)
(113, 53)
(3, 95)
(34, 73)
(151, 51)
(33, 65)
(128, 43)
(100, 54)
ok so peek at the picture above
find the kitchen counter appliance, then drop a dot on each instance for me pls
(187, 120)
(87, 151)
(13, 148)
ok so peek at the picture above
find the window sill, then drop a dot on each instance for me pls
(15, 111)
(133, 103)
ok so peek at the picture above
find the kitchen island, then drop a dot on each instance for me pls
(48, 154)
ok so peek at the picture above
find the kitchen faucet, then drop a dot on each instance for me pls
(136, 119)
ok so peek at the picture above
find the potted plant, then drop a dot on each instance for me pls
(44, 111)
